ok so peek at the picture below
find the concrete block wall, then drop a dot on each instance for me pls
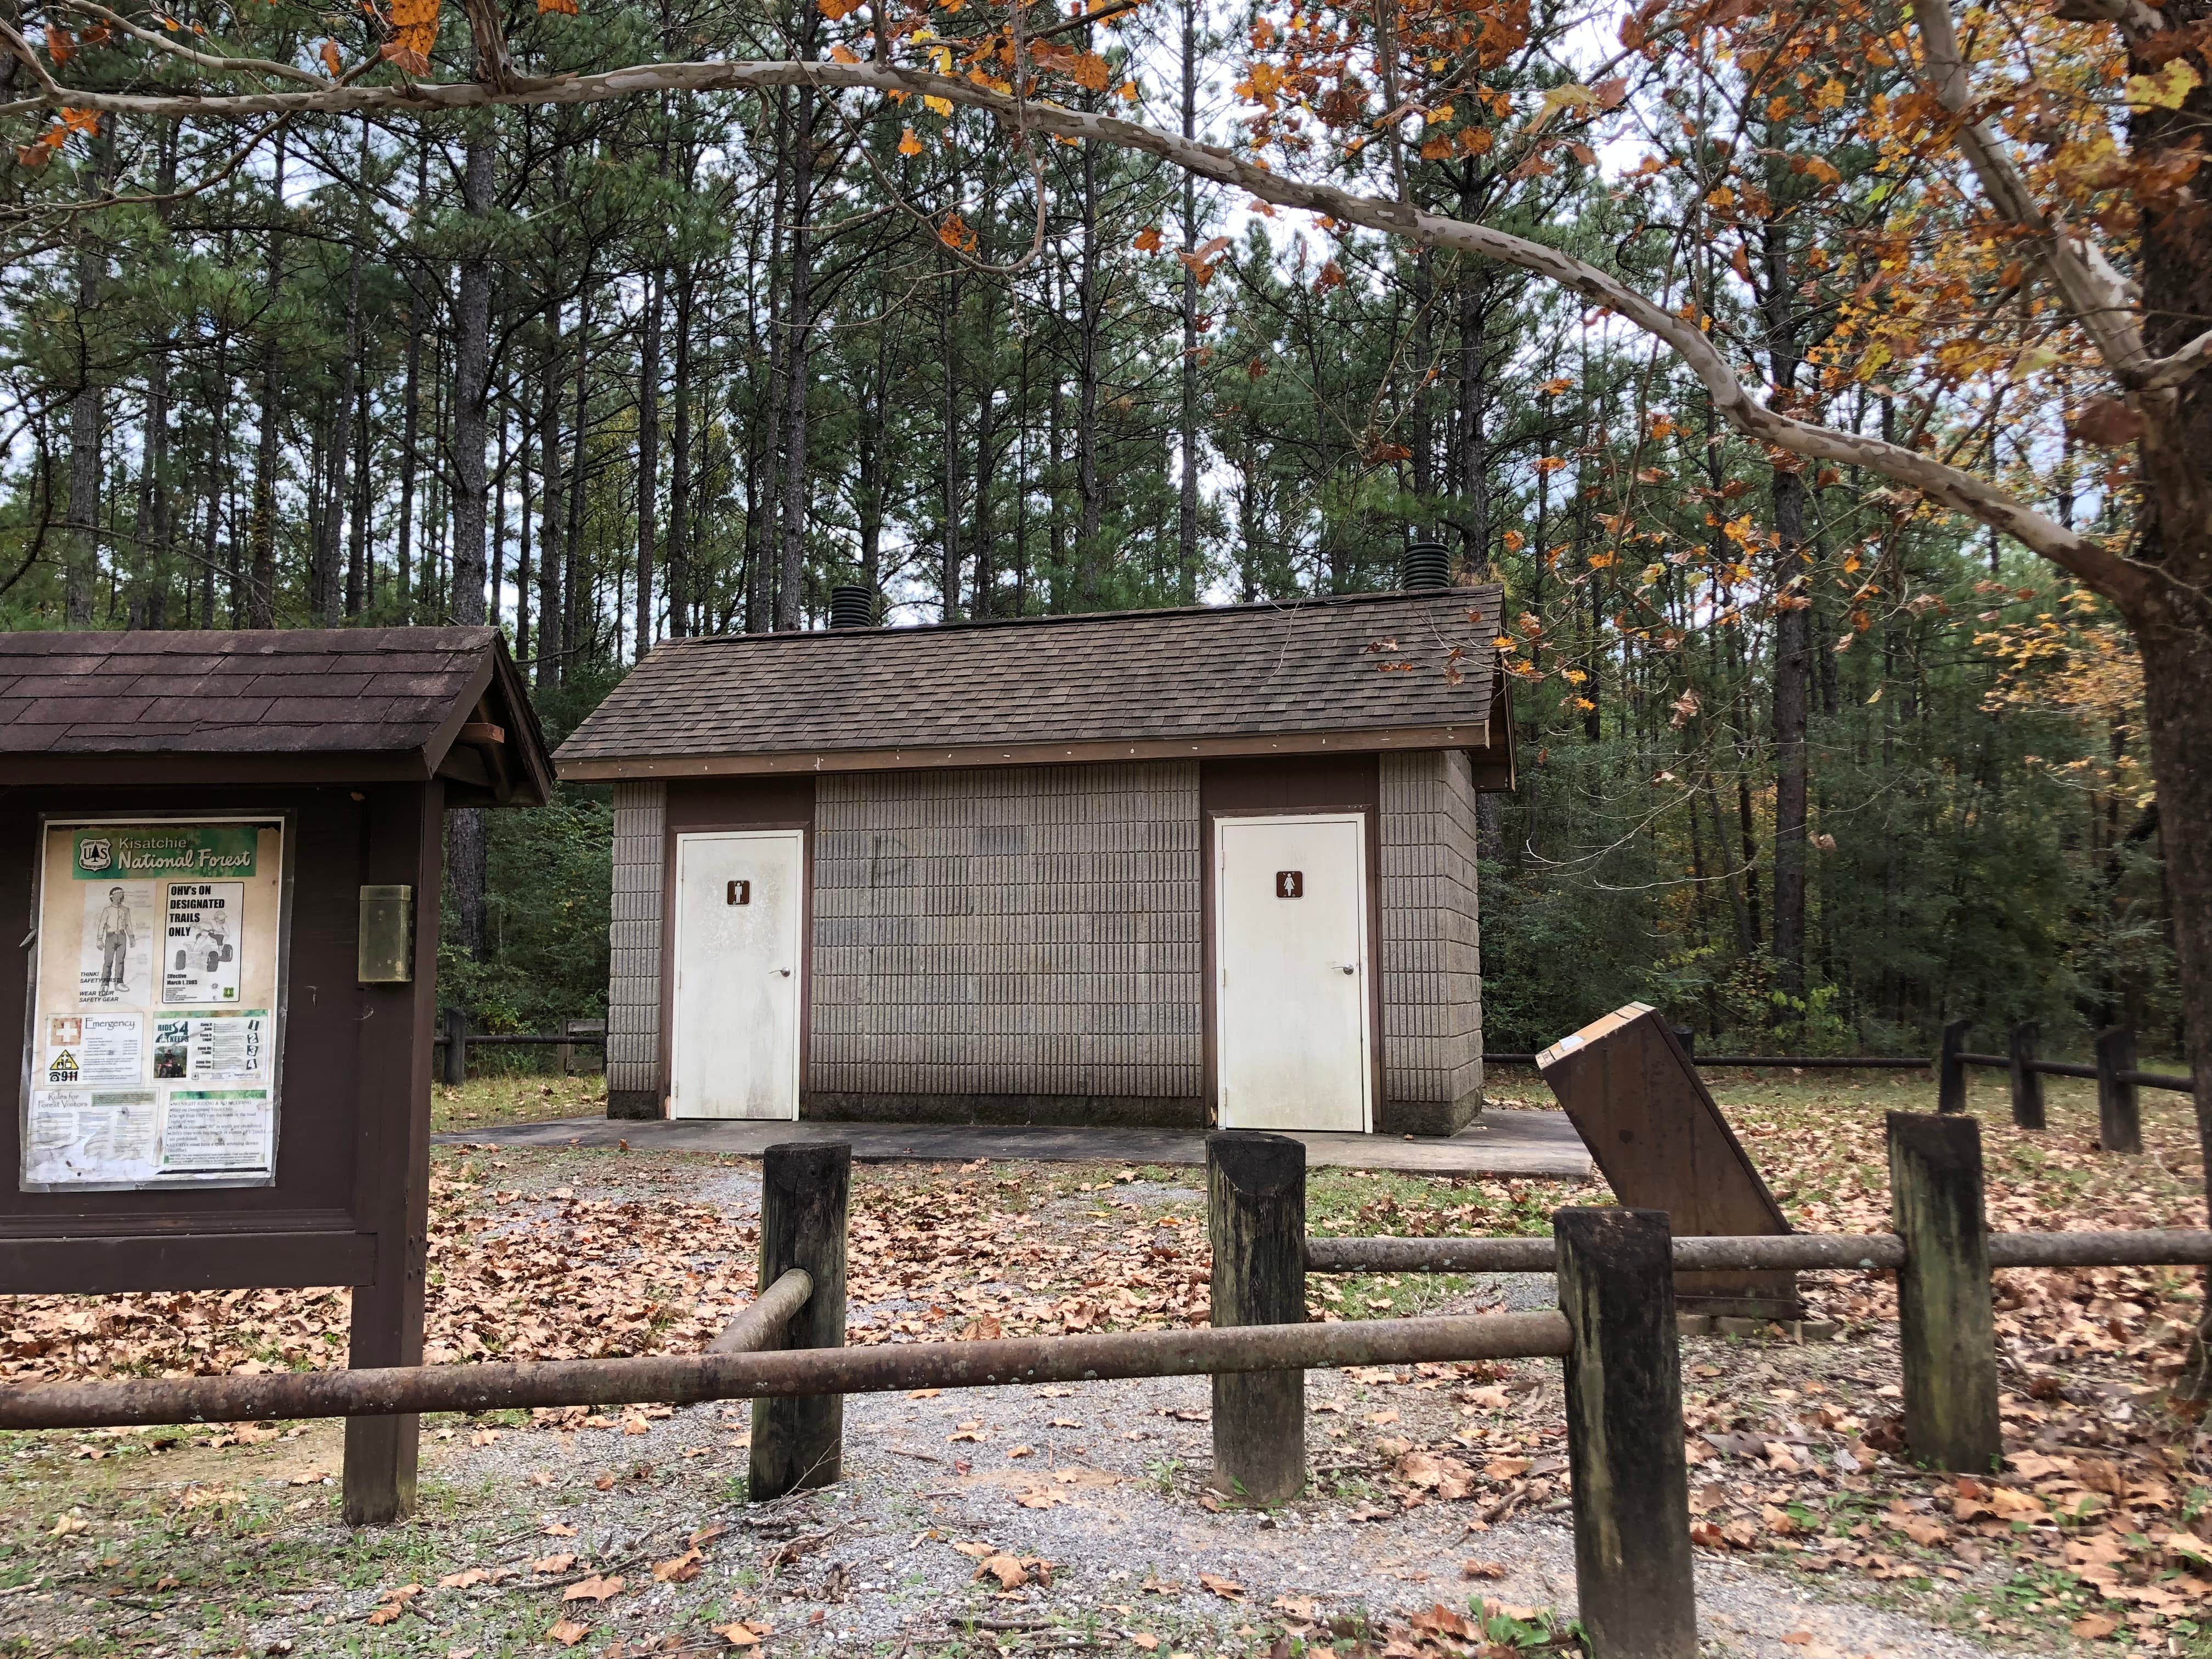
(1431, 946)
(1017, 943)
(634, 936)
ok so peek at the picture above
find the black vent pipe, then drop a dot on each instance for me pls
(1426, 564)
(852, 607)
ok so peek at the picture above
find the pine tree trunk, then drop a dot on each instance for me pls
(791, 575)
(261, 579)
(410, 435)
(550, 505)
(154, 494)
(471, 385)
(679, 467)
(360, 573)
(760, 600)
(870, 462)
(1474, 413)
(156, 522)
(1792, 628)
(648, 459)
(1187, 485)
(578, 618)
(987, 409)
(330, 595)
(948, 348)
(81, 570)
(1089, 586)
(218, 474)
(496, 577)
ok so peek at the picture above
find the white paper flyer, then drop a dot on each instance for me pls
(217, 1132)
(92, 1136)
(115, 962)
(203, 932)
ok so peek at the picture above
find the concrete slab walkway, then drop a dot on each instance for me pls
(1541, 1145)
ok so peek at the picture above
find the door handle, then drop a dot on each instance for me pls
(1349, 966)
(786, 972)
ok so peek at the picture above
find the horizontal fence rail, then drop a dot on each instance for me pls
(760, 1322)
(1752, 1253)
(683, 1379)
(502, 1039)
(1803, 1062)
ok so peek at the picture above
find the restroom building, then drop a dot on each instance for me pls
(1213, 865)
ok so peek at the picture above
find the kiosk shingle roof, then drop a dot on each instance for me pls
(396, 696)
(1214, 679)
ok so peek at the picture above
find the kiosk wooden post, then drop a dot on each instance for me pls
(386, 1329)
(223, 852)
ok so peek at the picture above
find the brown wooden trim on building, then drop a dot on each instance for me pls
(707, 807)
(1475, 738)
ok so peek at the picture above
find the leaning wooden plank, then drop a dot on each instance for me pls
(1661, 1144)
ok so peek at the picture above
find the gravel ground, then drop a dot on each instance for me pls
(1104, 1482)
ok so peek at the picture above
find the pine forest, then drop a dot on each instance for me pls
(1806, 758)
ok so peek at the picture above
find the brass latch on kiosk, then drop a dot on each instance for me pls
(387, 935)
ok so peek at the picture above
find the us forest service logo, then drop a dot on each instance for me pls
(95, 853)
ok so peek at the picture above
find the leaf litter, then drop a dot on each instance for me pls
(2102, 1504)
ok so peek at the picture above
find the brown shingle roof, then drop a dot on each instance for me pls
(1370, 671)
(309, 703)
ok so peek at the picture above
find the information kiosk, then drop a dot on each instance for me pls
(220, 855)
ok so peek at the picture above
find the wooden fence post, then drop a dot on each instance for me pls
(2026, 1083)
(1946, 1328)
(1624, 1388)
(805, 1187)
(455, 1063)
(1950, 1071)
(2119, 1118)
(1256, 1214)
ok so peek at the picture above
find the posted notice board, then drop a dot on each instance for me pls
(156, 1004)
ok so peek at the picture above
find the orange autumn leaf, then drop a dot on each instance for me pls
(955, 234)
(909, 145)
(842, 53)
(1148, 239)
(566, 7)
(414, 31)
(329, 53)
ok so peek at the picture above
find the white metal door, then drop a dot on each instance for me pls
(734, 1050)
(1291, 953)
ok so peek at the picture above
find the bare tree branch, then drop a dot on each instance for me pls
(2136, 21)
(204, 60)
(2171, 371)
